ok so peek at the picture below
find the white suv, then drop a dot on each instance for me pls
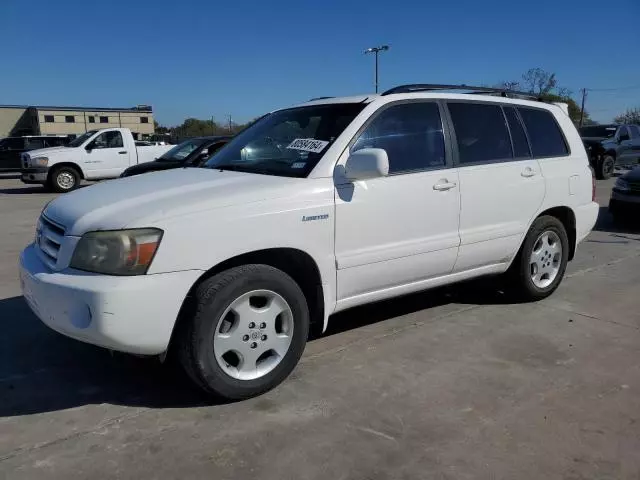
(312, 210)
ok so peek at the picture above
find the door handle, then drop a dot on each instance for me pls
(528, 172)
(122, 153)
(444, 185)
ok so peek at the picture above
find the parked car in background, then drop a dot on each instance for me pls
(371, 198)
(11, 148)
(612, 145)
(94, 155)
(625, 196)
(190, 153)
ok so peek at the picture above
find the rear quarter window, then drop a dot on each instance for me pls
(545, 135)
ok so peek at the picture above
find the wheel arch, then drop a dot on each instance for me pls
(567, 217)
(298, 264)
(73, 165)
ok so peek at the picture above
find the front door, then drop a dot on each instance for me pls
(106, 156)
(634, 144)
(394, 232)
(501, 185)
(626, 154)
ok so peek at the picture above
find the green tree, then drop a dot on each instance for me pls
(632, 115)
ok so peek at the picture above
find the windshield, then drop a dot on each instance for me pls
(81, 139)
(288, 142)
(602, 131)
(181, 151)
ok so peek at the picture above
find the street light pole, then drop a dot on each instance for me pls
(376, 51)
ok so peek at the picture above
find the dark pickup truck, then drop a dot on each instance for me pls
(609, 146)
(12, 147)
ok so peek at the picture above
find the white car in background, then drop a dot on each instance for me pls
(94, 155)
(349, 201)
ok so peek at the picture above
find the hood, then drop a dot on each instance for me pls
(140, 200)
(46, 151)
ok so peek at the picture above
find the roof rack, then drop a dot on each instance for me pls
(426, 87)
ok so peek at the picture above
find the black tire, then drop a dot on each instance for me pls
(519, 275)
(605, 166)
(63, 179)
(211, 299)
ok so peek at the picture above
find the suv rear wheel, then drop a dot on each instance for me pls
(542, 260)
(245, 333)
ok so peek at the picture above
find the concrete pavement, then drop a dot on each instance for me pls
(454, 383)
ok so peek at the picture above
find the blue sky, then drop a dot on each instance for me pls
(210, 58)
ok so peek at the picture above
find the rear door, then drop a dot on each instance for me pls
(634, 131)
(625, 147)
(106, 156)
(10, 150)
(501, 186)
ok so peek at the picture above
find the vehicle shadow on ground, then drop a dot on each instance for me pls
(23, 190)
(43, 371)
(606, 224)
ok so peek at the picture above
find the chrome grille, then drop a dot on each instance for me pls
(48, 239)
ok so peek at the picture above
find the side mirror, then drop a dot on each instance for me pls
(367, 163)
(88, 148)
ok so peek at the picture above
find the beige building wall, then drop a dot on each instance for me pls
(93, 120)
(9, 117)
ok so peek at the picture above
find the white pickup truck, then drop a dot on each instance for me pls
(95, 155)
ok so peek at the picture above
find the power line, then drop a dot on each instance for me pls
(614, 89)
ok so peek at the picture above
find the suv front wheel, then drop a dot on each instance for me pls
(542, 260)
(245, 331)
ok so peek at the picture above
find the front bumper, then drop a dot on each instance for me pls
(34, 174)
(128, 314)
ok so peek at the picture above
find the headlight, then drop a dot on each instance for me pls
(39, 161)
(621, 184)
(118, 252)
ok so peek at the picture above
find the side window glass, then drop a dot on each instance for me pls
(635, 131)
(410, 133)
(34, 143)
(14, 144)
(544, 133)
(481, 133)
(518, 137)
(623, 134)
(111, 139)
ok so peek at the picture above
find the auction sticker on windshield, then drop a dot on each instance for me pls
(308, 145)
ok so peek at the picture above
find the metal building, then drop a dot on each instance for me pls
(18, 120)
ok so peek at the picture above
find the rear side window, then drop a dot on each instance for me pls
(635, 131)
(410, 133)
(481, 132)
(518, 137)
(544, 133)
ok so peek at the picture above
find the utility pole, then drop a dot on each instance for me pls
(376, 51)
(213, 126)
(229, 117)
(584, 96)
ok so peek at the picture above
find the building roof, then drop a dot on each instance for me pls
(139, 108)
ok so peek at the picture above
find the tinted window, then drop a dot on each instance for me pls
(91, 119)
(48, 119)
(410, 133)
(34, 143)
(13, 144)
(635, 131)
(53, 141)
(108, 140)
(601, 131)
(69, 119)
(518, 137)
(544, 133)
(623, 134)
(104, 119)
(481, 132)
